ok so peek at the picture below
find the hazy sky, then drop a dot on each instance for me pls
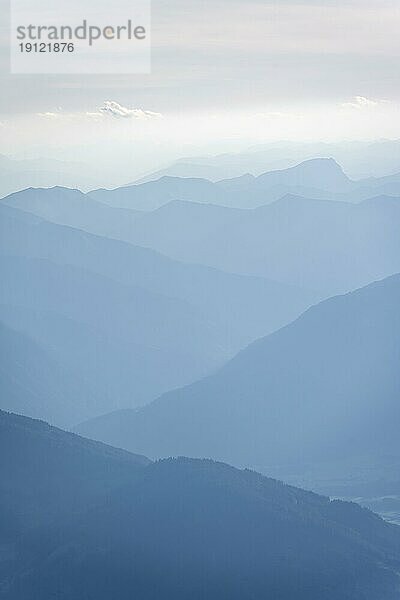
(224, 72)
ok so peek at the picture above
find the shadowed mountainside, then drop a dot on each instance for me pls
(110, 524)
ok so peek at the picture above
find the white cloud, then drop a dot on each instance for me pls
(113, 109)
(361, 102)
(108, 109)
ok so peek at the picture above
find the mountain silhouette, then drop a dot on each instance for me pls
(273, 304)
(73, 208)
(316, 178)
(320, 177)
(297, 238)
(154, 194)
(114, 314)
(328, 246)
(322, 389)
(48, 473)
(21, 174)
(99, 523)
(359, 159)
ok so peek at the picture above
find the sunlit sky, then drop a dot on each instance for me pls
(225, 74)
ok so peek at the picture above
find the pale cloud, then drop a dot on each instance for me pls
(95, 116)
(108, 109)
(116, 110)
(49, 115)
(361, 102)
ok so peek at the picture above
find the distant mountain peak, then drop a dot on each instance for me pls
(317, 173)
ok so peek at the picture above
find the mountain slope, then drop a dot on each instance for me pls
(108, 524)
(116, 335)
(323, 388)
(128, 312)
(64, 370)
(317, 178)
(223, 297)
(152, 195)
(33, 382)
(47, 473)
(310, 243)
(73, 208)
(328, 246)
(358, 158)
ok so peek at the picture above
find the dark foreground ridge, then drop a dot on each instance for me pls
(85, 521)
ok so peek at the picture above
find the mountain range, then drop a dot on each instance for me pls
(111, 315)
(19, 174)
(320, 391)
(360, 159)
(330, 247)
(317, 244)
(113, 336)
(249, 320)
(83, 520)
(317, 178)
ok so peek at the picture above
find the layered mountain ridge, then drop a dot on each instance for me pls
(104, 522)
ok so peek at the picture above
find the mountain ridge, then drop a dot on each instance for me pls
(290, 398)
(178, 527)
